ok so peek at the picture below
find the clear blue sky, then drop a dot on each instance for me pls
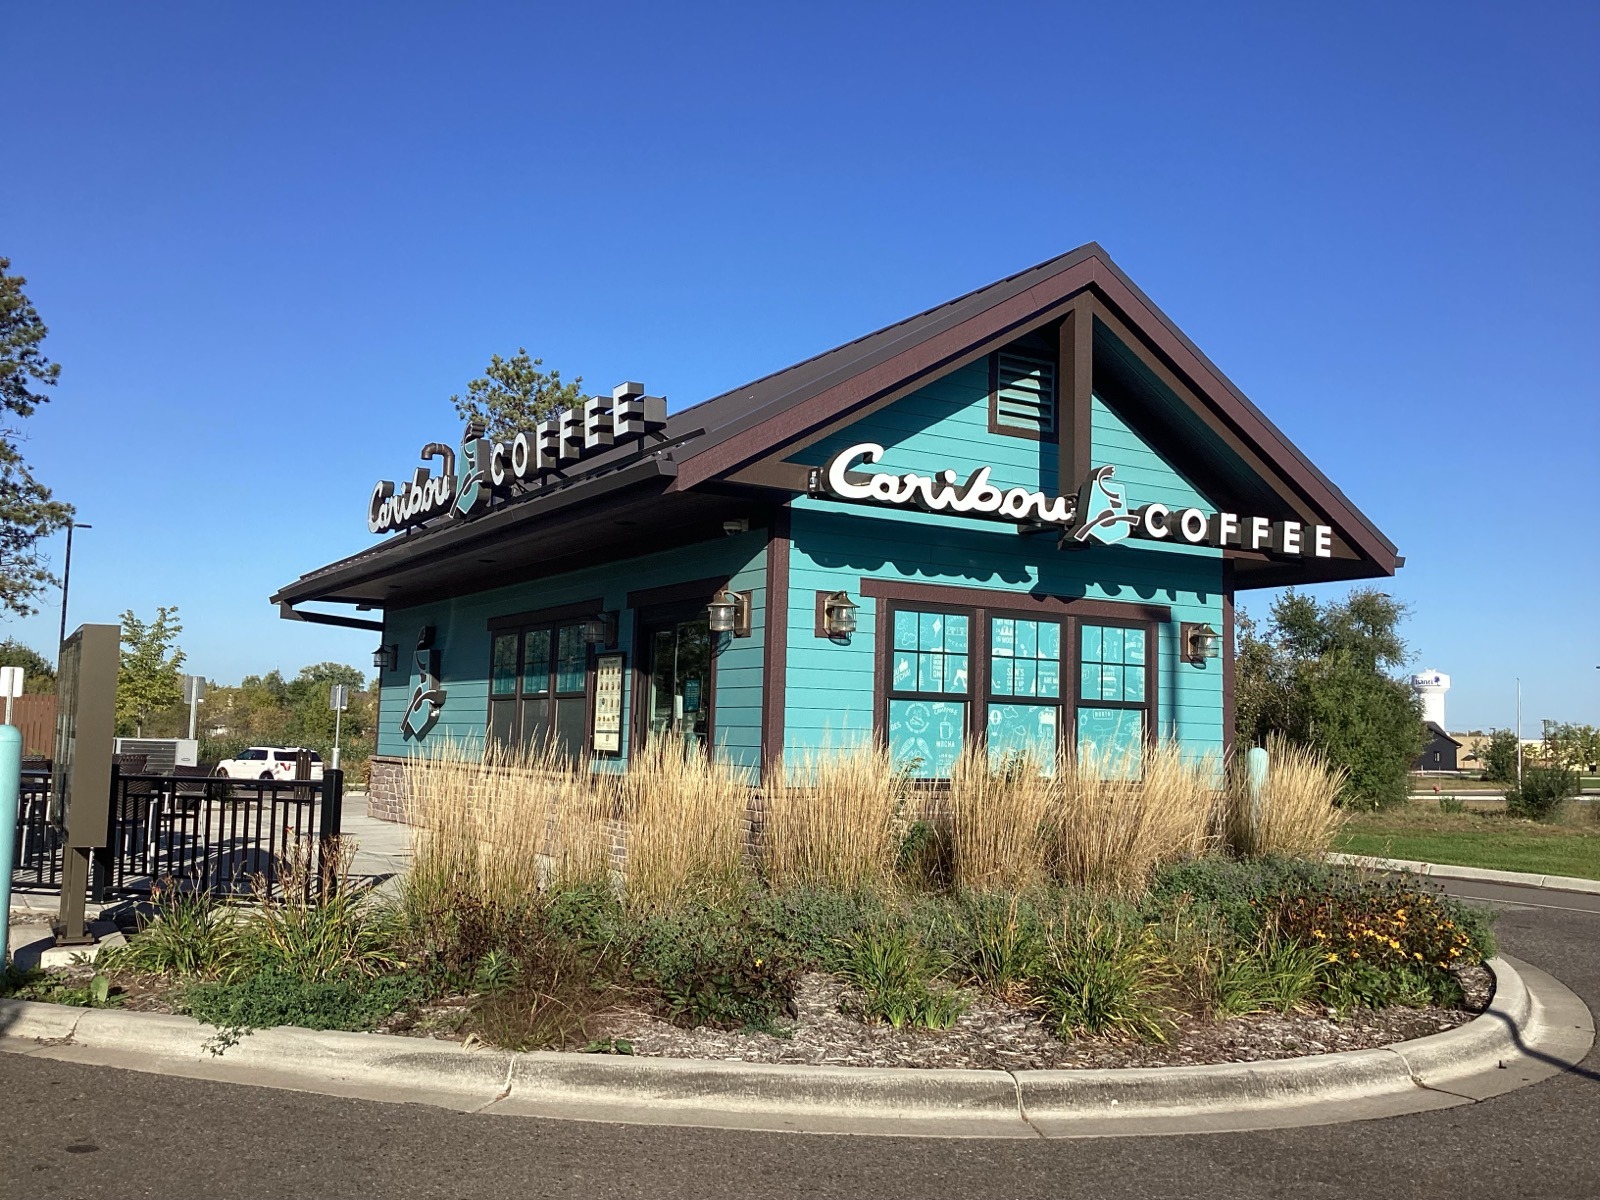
(271, 240)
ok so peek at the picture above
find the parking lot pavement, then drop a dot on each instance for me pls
(91, 1132)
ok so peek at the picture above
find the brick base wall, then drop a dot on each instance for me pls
(386, 790)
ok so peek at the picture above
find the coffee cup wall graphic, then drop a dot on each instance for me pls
(427, 697)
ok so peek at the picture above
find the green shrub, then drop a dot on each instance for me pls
(1104, 975)
(545, 1001)
(35, 984)
(1452, 806)
(1242, 893)
(269, 998)
(1387, 942)
(812, 925)
(711, 967)
(1002, 940)
(1543, 791)
(339, 933)
(1276, 975)
(185, 934)
(893, 971)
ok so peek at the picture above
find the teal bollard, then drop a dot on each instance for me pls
(10, 794)
(1256, 760)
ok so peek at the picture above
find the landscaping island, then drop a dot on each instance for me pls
(1016, 918)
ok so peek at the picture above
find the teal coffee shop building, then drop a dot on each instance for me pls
(1019, 519)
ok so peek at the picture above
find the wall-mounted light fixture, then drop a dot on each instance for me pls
(386, 656)
(729, 612)
(1199, 642)
(601, 629)
(836, 614)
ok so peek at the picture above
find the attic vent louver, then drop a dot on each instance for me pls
(1025, 394)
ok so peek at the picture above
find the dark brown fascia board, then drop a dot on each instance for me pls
(457, 537)
(289, 613)
(781, 423)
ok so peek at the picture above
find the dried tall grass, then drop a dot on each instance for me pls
(999, 815)
(685, 821)
(1110, 830)
(1298, 811)
(483, 823)
(836, 822)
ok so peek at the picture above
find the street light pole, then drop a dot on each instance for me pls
(66, 579)
(1519, 735)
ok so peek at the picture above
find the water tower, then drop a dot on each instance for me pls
(1430, 687)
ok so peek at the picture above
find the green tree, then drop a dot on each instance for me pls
(1499, 756)
(1316, 674)
(1576, 747)
(28, 514)
(38, 671)
(148, 680)
(515, 394)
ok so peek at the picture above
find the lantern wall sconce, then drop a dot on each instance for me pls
(386, 657)
(601, 629)
(729, 612)
(1199, 642)
(836, 615)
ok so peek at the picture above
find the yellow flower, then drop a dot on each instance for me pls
(1333, 958)
(1394, 944)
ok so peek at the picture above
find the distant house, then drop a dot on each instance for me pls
(1440, 751)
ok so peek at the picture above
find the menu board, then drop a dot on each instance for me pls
(607, 733)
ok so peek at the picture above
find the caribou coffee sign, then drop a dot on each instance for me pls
(1098, 513)
(482, 468)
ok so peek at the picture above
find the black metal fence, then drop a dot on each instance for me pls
(199, 833)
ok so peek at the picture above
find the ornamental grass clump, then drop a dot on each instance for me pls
(1115, 818)
(834, 823)
(998, 817)
(1104, 974)
(684, 817)
(1297, 812)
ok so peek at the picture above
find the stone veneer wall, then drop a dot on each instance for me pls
(386, 789)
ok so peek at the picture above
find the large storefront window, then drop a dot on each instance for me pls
(1112, 705)
(538, 688)
(1024, 688)
(927, 695)
(1030, 704)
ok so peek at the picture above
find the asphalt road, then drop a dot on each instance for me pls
(74, 1131)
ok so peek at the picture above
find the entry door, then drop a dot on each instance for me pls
(678, 699)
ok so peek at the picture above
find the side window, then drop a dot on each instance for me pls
(538, 688)
(1113, 713)
(927, 693)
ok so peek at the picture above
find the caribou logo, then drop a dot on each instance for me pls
(1103, 510)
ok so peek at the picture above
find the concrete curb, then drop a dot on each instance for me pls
(1560, 883)
(1536, 1031)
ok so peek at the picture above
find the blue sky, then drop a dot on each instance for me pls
(271, 240)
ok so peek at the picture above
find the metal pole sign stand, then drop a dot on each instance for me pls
(194, 691)
(80, 786)
(338, 700)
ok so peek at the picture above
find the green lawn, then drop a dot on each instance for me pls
(1418, 831)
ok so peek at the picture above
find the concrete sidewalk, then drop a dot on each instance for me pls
(383, 848)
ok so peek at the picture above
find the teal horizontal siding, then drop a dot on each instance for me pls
(463, 640)
(830, 686)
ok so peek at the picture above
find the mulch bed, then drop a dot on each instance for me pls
(991, 1034)
(995, 1035)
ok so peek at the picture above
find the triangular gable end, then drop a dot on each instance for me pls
(1114, 345)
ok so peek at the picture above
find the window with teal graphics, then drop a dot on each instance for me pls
(927, 700)
(1113, 709)
(1024, 689)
